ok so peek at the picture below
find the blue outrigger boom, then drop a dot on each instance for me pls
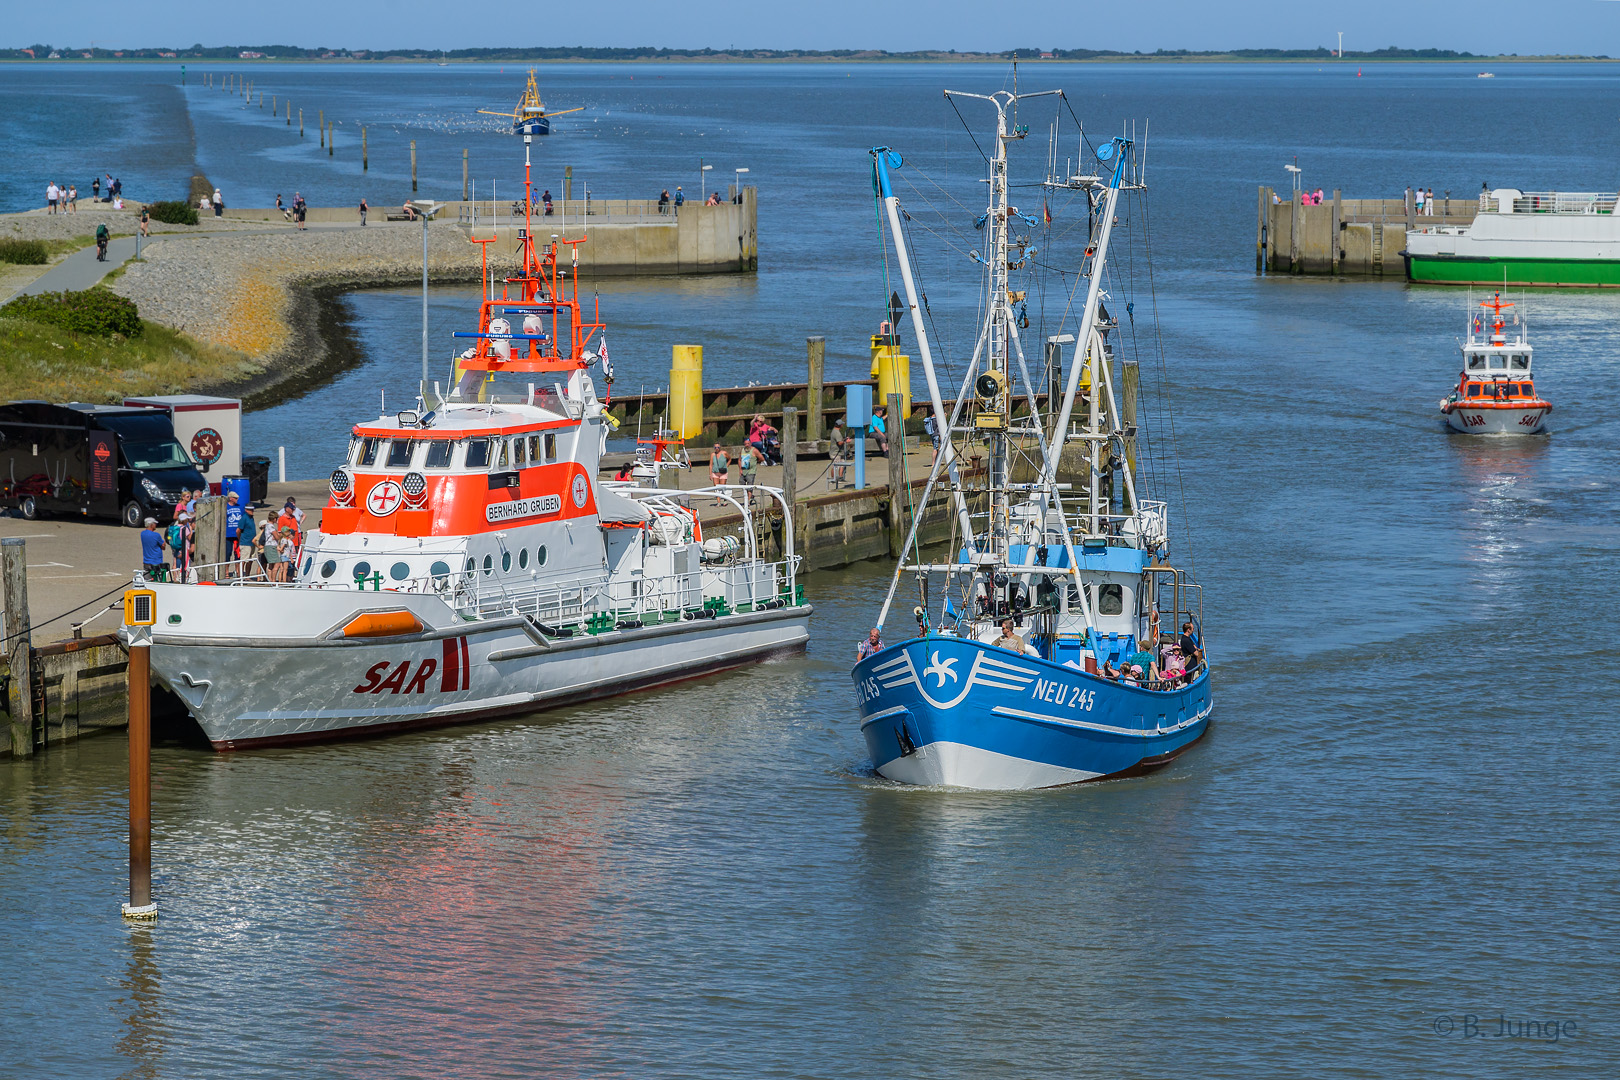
(1053, 656)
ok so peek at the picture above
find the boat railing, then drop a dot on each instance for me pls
(722, 587)
(1565, 202)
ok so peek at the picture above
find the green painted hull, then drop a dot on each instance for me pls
(1576, 273)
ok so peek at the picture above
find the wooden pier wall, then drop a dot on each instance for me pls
(1353, 237)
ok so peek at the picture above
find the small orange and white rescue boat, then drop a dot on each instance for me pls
(1495, 394)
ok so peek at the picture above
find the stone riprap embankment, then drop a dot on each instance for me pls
(250, 290)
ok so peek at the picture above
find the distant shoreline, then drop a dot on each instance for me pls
(1122, 58)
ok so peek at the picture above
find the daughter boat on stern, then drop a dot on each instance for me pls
(1038, 661)
(470, 564)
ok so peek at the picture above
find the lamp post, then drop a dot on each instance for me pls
(703, 178)
(424, 207)
(737, 194)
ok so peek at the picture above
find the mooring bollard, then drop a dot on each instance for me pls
(281, 473)
(140, 612)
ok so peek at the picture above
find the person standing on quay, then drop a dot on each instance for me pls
(73, 198)
(219, 203)
(51, 194)
(299, 209)
(363, 209)
(680, 199)
(146, 222)
(95, 190)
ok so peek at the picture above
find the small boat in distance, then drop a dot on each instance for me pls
(1495, 394)
(1487, 75)
(530, 116)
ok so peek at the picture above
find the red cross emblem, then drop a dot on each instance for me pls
(384, 499)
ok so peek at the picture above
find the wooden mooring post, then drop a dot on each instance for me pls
(19, 644)
(139, 613)
(331, 137)
(320, 122)
(816, 350)
(413, 164)
(365, 157)
(300, 123)
(463, 174)
(895, 429)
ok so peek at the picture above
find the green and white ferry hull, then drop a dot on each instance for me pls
(1519, 238)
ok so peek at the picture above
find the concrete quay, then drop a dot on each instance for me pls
(1352, 237)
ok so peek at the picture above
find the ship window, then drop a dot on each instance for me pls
(540, 555)
(519, 452)
(551, 447)
(328, 568)
(1474, 389)
(1110, 599)
(535, 453)
(1476, 363)
(399, 453)
(489, 565)
(1527, 390)
(354, 448)
(368, 450)
(440, 571)
(523, 559)
(1521, 362)
(400, 571)
(1498, 362)
(438, 454)
(472, 567)
(362, 570)
(477, 453)
(499, 461)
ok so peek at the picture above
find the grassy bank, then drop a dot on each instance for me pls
(53, 364)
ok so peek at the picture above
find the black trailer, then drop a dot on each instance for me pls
(83, 460)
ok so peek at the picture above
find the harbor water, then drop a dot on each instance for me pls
(1393, 853)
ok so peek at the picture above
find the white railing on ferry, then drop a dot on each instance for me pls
(1565, 202)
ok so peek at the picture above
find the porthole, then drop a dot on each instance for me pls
(506, 562)
(400, 571)
(308, 562)
(328, 568)
(540, 555)
(523, 559)
(440, 571)
(489, 565)
(362, 570)
(471, 566)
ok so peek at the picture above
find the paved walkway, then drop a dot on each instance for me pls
(80, 270)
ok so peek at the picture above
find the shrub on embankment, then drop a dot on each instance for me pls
(173, 213)
(93, 311)
(49, 363)
(24, 252)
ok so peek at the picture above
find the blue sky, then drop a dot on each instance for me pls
(1484, 26)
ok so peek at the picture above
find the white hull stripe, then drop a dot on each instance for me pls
(1136, 733)
(950, 764)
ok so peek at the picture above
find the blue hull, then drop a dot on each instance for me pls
(945, 710)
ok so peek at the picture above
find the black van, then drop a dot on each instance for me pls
(92, 461)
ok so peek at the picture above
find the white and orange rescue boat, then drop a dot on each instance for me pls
(1495, 394)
